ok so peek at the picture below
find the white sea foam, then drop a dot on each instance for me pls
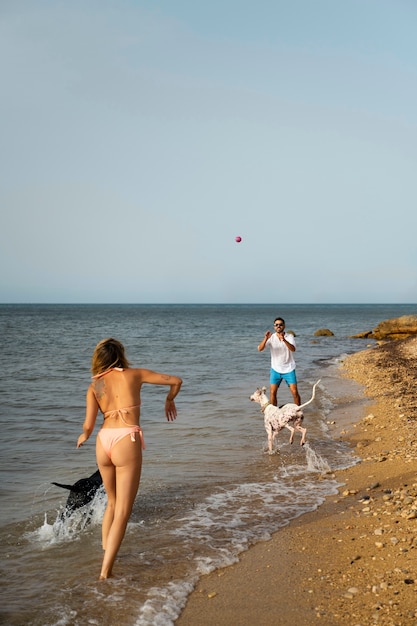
(225, 524)
(165, 603)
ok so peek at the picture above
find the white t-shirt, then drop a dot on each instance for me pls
(282, 360)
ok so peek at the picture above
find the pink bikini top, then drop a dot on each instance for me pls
(116, 412)
(120, 413)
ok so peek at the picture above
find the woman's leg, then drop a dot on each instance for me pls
(108, 474)
(127, 462)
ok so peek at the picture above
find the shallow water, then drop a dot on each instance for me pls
(209, 489)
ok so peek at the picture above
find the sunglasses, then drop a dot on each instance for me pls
(279, 325)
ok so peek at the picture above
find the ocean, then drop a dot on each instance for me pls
(209, 489)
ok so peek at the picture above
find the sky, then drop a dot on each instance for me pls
(139, 138)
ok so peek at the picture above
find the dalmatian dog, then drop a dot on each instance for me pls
(276, 418)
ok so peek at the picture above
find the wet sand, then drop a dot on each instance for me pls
(353, 561)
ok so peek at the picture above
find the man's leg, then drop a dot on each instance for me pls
(295, 394)
(273, 393)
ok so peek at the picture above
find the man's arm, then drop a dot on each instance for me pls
(262, 345)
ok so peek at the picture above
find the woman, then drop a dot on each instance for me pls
(115, 391)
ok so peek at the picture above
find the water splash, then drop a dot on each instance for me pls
(69, 527)
(315, 462)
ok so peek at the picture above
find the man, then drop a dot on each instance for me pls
(282, 346)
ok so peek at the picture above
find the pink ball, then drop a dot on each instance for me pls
(238, 239)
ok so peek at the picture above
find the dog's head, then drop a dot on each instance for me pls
(258, 394)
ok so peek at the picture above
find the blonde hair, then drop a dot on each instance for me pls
(108, 353)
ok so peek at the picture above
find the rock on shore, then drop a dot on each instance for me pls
(396, 328)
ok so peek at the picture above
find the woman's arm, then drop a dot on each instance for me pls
(174, 382)
(90, 417)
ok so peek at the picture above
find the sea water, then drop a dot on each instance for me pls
(209, 489)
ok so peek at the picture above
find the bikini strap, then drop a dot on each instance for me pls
(142, 439)
(120, 413)
(117, 369)
(116, 413)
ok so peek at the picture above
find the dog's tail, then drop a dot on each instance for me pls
(312, 397)
(70, 487)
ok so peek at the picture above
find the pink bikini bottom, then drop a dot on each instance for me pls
(110, 436)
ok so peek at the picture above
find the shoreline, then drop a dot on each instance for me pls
(354, 559)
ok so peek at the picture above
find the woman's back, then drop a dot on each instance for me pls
(115, 390)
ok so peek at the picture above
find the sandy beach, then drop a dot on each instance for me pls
(353, 561)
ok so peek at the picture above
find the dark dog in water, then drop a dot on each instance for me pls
(81, 492)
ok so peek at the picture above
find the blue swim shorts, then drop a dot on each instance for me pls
(275, 377)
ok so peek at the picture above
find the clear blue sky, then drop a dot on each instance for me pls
(138, 138)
